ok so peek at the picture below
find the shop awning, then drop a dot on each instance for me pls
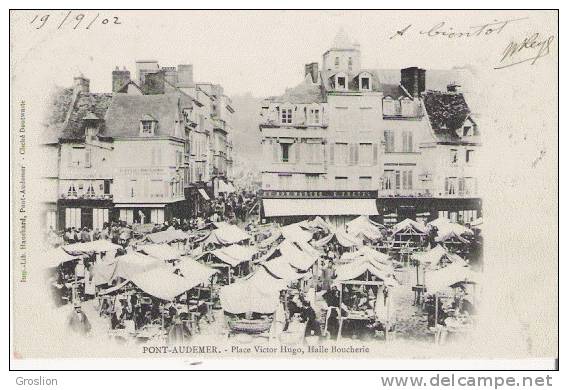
(161, 251)
(56, 256)
(167, 236)
(313, 207)
(203, 193)
(91, 247)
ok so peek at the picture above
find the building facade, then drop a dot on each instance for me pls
(342, 143)
(153, 149)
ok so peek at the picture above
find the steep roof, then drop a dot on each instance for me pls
(447, 112)
(352, 79)
(126, 111)
(395, 91)
(304, 92)
(67, 112)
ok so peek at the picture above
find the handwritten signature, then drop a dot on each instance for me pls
(441, 30)
(530, 49)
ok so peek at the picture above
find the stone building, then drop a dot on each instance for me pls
(153, 149)
(344, 143)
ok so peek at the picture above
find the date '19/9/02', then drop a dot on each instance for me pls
(74, 22)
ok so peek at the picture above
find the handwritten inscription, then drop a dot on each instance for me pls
(530, 49)
(442, 30)
(73, 21)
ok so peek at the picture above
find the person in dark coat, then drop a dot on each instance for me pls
(78, 321)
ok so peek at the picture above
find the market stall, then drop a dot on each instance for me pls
(162, 252)
(408, 233)
(234, 260)
(341, 238)
(364, 295)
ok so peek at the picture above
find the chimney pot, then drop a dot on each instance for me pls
(413, 79)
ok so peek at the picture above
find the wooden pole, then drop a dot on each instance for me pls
(340, 315)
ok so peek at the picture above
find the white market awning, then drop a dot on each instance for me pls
(313, 207)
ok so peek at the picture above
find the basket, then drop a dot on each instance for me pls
(249, 326)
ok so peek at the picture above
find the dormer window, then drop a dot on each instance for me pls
(341, 81)
(365, 84)
(467, 131)
(147, 126)
(388, 106)
(314, 116)
(91, 126)
(286, 115)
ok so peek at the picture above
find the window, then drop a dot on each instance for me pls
(466, 131)
(365, 85)
(341, 82)
(285, 149)
(388, 180)
(286, 115)
(389, 141)
(342, 153)
(87, 158)
(407, 107)
(106, 187)
(470, 186)
(147, 127)
(314, 116)
(127, 215)
(453, 156)
(350, 63)
(336, 62)
(468, 156)
(365, 183)
(407, 142)
(312, 182)
(77, 156)
(406, 180)
(388, 106)
(178, 158)
(51, 219)
(90, 191)
(72, 217)
(366, 154)
(340, 183)
(72, 192)
(100, 217)
(157, 216)
(451, 185)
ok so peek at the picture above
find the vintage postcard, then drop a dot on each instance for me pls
(344, 186)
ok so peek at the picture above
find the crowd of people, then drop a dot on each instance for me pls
(318, 308)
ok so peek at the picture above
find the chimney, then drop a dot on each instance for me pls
(453, 87)
(144, 67)
(312, 69)
(81, 84)
(185, 76)
(154, 83)
(413, 80)
(119, 78)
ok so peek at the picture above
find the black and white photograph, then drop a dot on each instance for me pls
(336, 185)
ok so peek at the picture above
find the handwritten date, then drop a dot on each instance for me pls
(73, 21)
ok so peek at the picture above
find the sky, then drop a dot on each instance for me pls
(256, 52)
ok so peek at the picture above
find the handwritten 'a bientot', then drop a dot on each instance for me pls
(442, 30)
